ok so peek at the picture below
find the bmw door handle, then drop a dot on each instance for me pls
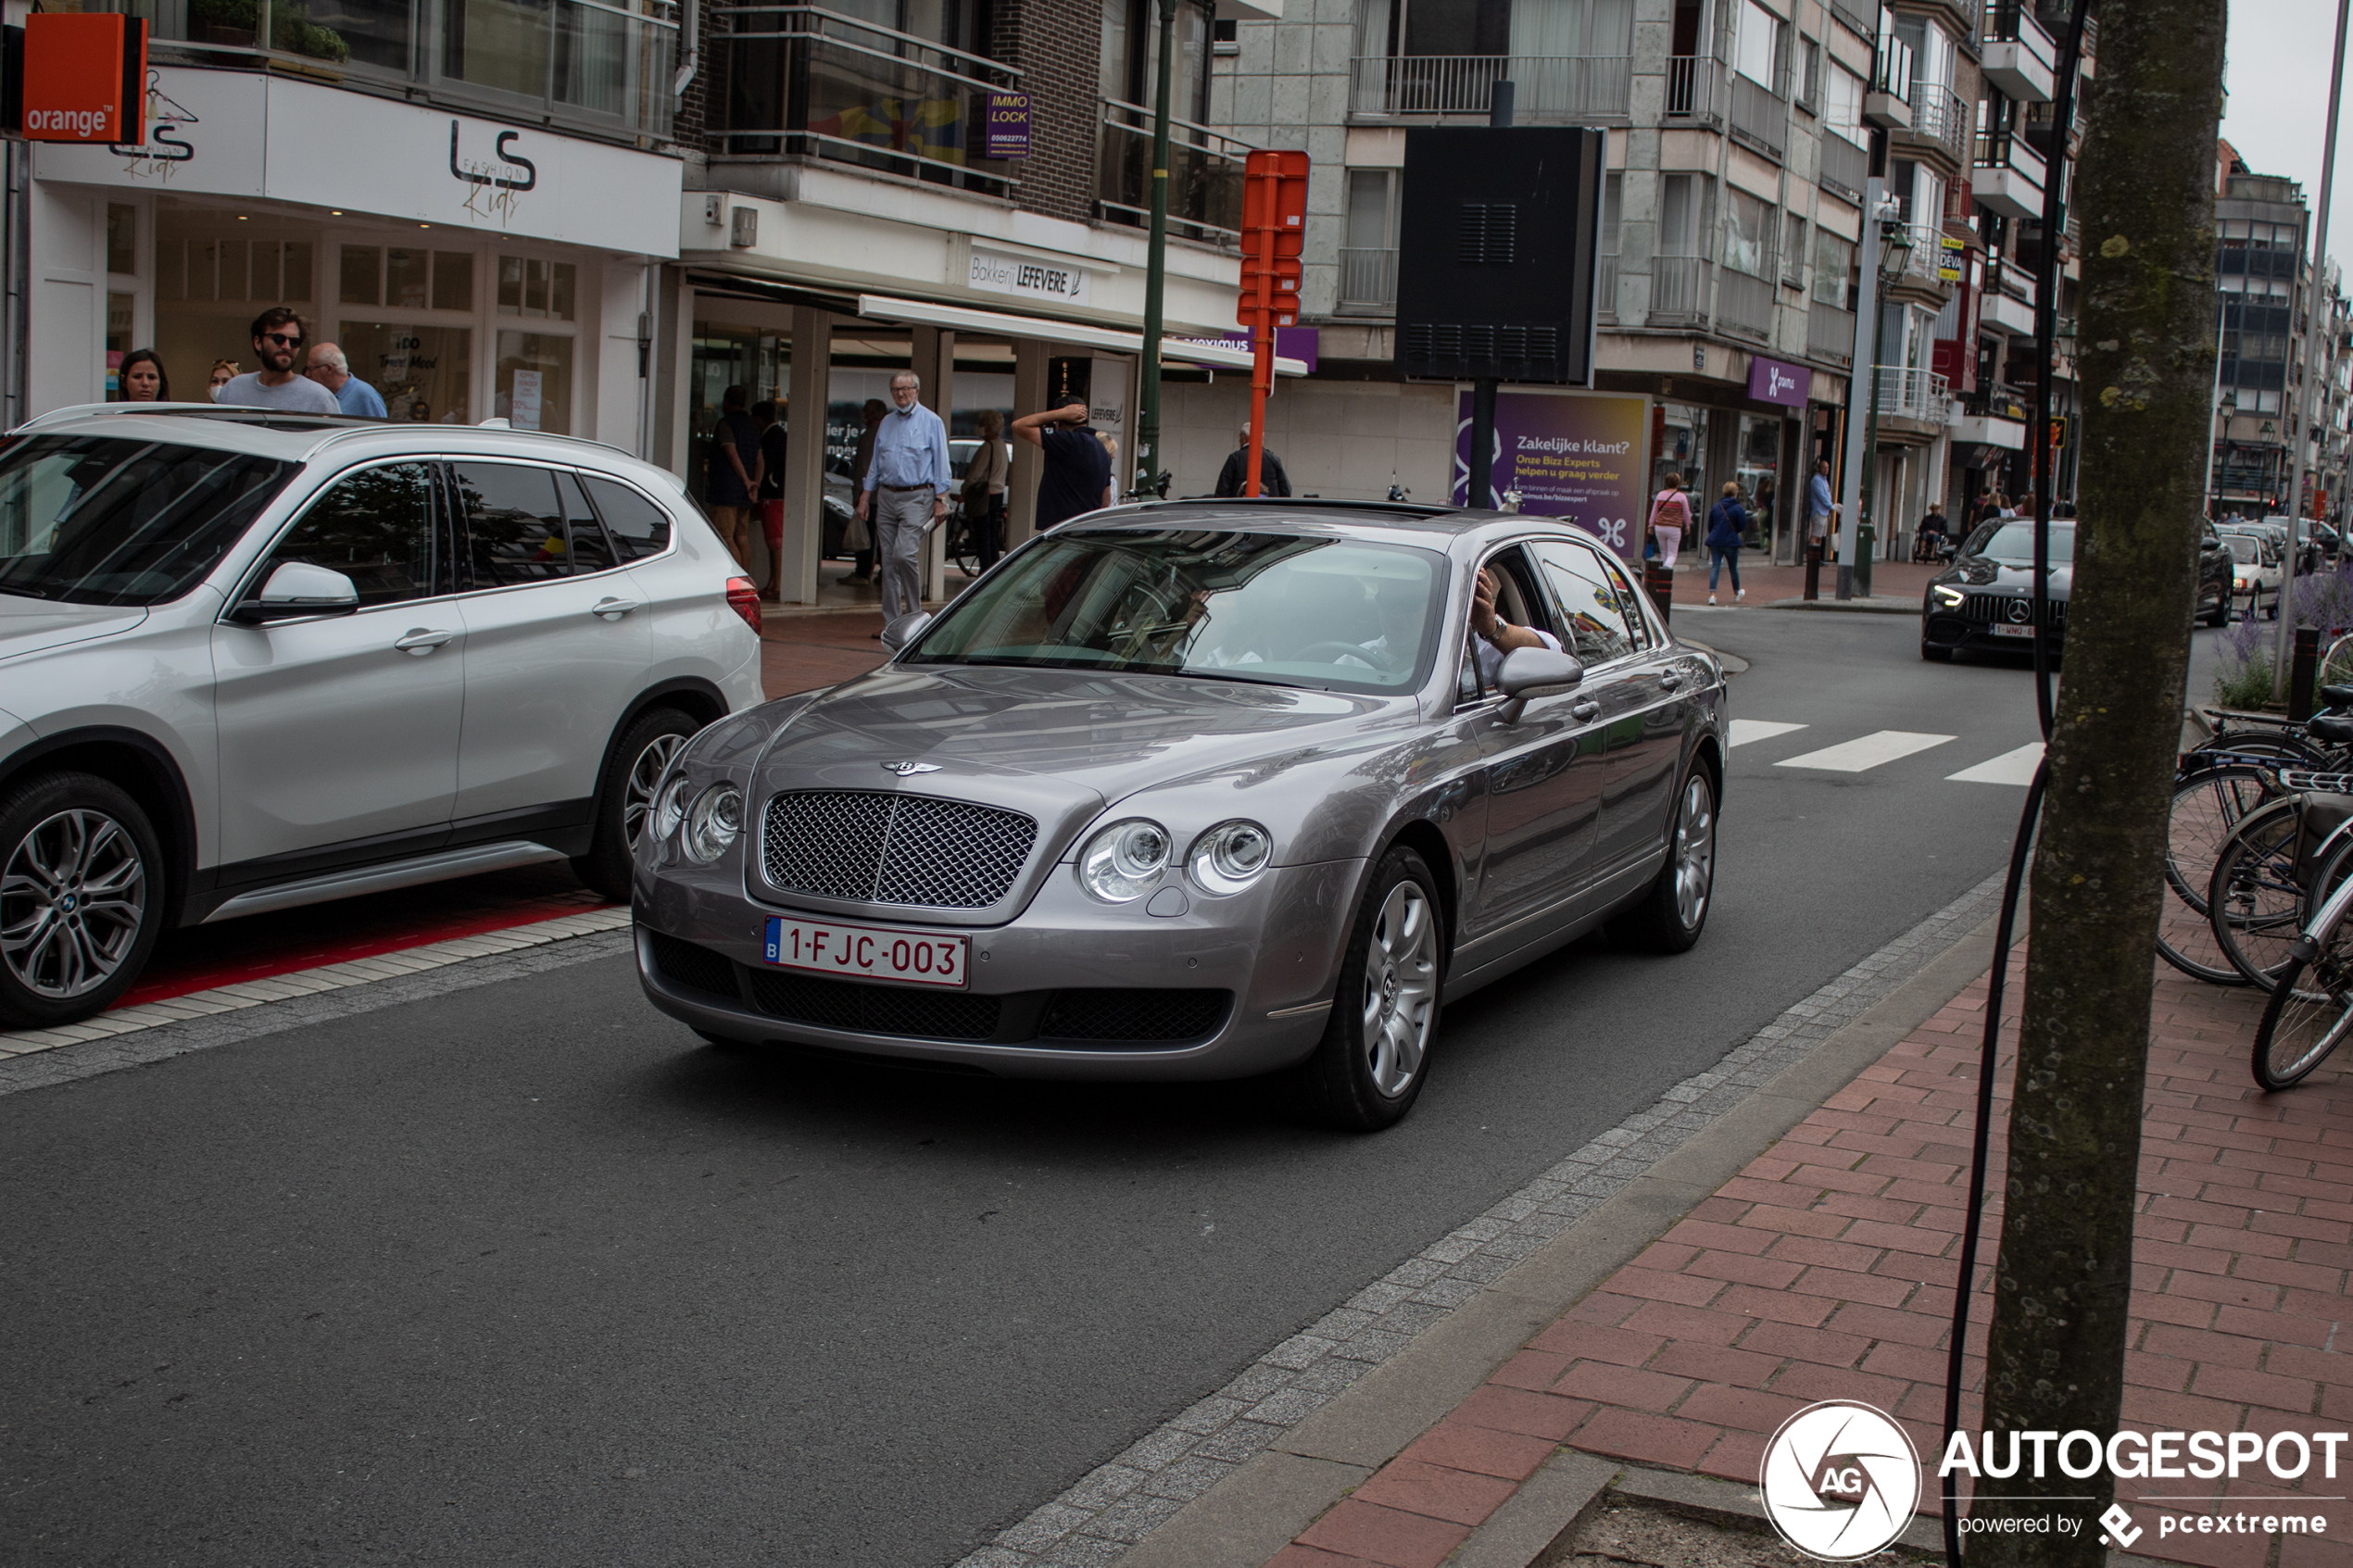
(612, 608)
(1585, 712)
(422, 641)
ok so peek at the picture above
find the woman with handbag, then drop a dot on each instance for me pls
(1670, 519)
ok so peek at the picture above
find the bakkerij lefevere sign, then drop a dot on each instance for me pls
(1571, 454)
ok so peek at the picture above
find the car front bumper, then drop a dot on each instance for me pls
(1270, 956)
(1951, 629)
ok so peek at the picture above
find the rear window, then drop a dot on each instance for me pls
(107, 521)
(638, 527)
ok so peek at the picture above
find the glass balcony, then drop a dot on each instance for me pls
(1368, 279)
(1204, 175)
(1545, 90)
(802, 81)
(598, 67)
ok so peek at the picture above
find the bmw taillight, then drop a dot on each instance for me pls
(744, 600)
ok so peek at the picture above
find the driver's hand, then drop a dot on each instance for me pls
(1483, 606)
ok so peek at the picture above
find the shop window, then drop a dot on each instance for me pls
(118, 312)
(267, 272)
(528, 286)
(534, 385)
(423, 372)
(362, 275)
(453, 280)
(408, 278)
(122, 237)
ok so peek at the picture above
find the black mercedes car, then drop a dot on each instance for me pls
(1986, 599)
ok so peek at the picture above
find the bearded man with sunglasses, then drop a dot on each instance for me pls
(277, 342)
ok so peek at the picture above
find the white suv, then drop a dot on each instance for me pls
(250, 660)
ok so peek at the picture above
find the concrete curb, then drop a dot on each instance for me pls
(1849, 607)
(1270, 1499)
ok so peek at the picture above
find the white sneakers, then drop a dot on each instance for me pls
(1711, 599)
(1738, 594)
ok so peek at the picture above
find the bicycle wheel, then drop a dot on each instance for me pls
(2254, 904)
(2310, 1014)
(2336, 665)
(2207, 806)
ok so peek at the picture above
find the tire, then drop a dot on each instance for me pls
(2220, 614)
(1370, 1065)
(81, 898)
(2310, 1014)
(2206, 808)
(1674, 911)
(624, 793)
(2254, 904)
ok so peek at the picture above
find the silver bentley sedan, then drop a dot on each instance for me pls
(1199, 790)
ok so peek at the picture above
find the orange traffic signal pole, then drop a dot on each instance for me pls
(1274, 224)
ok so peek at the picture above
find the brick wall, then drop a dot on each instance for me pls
(1058, 46)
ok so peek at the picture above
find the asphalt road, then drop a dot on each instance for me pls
(526, 1274)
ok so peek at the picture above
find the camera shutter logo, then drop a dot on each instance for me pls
(1840, 1480)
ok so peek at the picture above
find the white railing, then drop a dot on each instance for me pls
(1759, 116)
(1744, 304)
(1912, 395)
(1844, 166)
(1605, 287)
(1694, 82)
(1369, 278)
(1830, 332)
(1678, 291)
(1938, 115)
(1544, 88)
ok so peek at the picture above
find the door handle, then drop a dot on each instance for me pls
(1670, 679)
(422, 641)
(1584, 712)
(612, 608)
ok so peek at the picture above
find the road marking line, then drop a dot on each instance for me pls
(1862, 756)
(2010, 768)
(1746, 730)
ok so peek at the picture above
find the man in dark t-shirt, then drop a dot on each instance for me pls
(728, 491)
(1234, 476)
(1077, 476)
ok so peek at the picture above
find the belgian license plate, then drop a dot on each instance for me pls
(2012, 631)
(869, 952)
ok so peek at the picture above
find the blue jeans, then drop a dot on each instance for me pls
(1721, 558)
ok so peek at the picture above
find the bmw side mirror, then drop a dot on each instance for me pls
(898, 634)
(297, 588)
(1529, 671)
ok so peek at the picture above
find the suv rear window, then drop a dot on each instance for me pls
(107, 521)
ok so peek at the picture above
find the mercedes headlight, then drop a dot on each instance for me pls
(1229, 856)
(714, 821)
(669, 806)
(1948, 596)
(1120, 864)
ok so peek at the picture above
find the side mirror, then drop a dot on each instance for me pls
(898, 634)
(1527, 671)
(297, 588)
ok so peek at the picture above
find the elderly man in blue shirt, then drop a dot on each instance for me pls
(907, 488)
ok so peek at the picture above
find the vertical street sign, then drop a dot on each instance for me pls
(1007, 129)
(1273, 225)
(86, 78)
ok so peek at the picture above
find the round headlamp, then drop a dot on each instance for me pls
(1229, 856)
(1121, 863)
(669, 806)
(713, 823)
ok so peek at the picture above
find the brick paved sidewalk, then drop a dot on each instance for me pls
(1825, 1270)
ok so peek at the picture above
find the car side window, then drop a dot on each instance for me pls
(514, 524)
(1597, 626)
(375, 527)
(1517, 600)
(1638, 620)
(591, 551)
(638, 528)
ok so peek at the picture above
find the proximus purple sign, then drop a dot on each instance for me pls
(1772, 381)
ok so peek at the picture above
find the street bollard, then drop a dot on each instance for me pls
(1813, 569)
(1658, 582)
(2301, 672)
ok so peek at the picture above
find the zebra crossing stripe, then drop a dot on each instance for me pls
(2010, 768)
(1870, 751)
(1746, 730)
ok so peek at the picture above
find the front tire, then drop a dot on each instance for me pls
(625, 795)
(1369, 1069)
(1674, 911)
(81, 898)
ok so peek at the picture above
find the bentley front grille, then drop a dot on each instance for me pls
(870, 847)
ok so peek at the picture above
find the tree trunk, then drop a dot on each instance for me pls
(2063, 1279)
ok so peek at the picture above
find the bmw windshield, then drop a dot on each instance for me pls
(106, 520)
(1281, 610)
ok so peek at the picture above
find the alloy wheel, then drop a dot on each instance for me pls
(73, 896)
(1694, 851)
(645, 778)
(1400, 987)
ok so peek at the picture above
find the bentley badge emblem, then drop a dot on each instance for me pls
(903, 769)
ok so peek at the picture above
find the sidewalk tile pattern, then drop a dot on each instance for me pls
(1824, 1270)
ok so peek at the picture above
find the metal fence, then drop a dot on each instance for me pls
(1205, 174)
(1544, 88)
(1369, 278)
(1693, 83)
(1913, 395)
(1938, 115)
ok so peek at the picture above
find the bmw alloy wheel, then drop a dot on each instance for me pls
(645, 778)
(1694, 850)
(73, 898)
(1400, 987)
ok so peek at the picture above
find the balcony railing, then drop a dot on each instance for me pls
(1939, 116)
(1912, 395)
(802, 80)
(1759, 117)
(601, 66)
(1844, 166)
(2008, 151)
(1605, 287)
(1544, 89)
(1829, 333)
(1694, 86)
(1921, 263)
(1860, 16)
(1894, 75)
(1678, 291)
(1368, 279)
(1744, 305)
(1204, 175)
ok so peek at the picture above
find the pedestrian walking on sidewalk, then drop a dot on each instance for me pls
(984, 479)
(771, 500)
(907, 491)
(1670, 520)
(735, 474)
(1273, 479)
(1819, 505)
(1726, 521)
(1077, 476)
(277, 342)
(354, 398)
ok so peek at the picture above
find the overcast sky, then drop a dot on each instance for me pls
(2278, 112)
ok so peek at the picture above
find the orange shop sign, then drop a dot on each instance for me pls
(86, 78)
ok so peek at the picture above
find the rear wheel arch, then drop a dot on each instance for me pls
(699, 700)
(142, 768)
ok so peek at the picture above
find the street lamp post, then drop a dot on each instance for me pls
(1894, 255)
(1147, 454)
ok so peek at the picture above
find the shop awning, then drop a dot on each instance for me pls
(956, 318)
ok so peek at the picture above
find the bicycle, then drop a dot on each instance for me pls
(2310, 1012)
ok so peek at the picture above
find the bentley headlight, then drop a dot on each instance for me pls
(1948, 596)
(714, 821)
(1224, 859)
(1120, 864)
(669, 806)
